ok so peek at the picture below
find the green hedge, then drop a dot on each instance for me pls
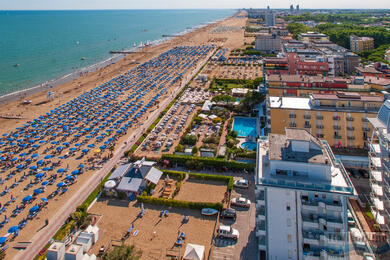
(179, 203)
(209, 162)
(201, 176)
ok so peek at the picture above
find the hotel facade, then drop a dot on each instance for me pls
(301, 198)
(341, 119)
(380, 168)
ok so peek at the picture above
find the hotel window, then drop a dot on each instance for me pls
(289, 222)
(290, 254)
(289, 238)
(288, 208)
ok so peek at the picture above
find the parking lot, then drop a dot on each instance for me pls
(246, 246)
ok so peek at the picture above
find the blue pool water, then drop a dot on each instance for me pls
(245, 126)
(249, 145)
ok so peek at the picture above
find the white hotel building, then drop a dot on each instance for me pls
(301, 198)
(380, 168)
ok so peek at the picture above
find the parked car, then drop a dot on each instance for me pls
(367, 256)
(242, 183)
(228, 213)
(357, 238)
(353, 172)
(227, 232)
(351, 220)
(241, 202)
(364, 173)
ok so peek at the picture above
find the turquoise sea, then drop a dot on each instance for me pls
(49, 44)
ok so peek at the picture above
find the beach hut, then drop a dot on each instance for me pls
(194, 252)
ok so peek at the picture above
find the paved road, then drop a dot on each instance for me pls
(246, 246)
(41, 238)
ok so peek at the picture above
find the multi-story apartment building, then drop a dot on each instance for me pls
(301, 198)
(303, 86)
(268, 43)
(340, 119)
(313, 37)
(360, 44)
(380, 168)
(270, 18)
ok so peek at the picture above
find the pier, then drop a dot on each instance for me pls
(127, 52)
(170, 35)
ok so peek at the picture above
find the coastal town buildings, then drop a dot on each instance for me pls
(303, 86)
(314, 58)
(313, 37)
(340, 118)
(380, 167)
(268, 43)
(301, 198)
(360, 44)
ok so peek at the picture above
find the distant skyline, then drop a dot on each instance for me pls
(187, 4)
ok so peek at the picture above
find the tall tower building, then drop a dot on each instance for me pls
(291, 8)
(301, 198)
(297, 8)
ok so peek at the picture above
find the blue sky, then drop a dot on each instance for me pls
(184, 4)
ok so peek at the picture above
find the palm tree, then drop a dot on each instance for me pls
(124, 252)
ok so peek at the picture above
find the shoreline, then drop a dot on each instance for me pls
(74, 75)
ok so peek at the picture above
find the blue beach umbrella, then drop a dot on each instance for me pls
(44, 183)
(34, 167)
(60, 170)
(48, 157)
(60, 184)
(39, 175)
(13, 229)
(37, 191)
(75, 172)
(44, 200)
(27, 198)
(33, 209)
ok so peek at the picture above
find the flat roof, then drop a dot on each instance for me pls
(306, 79)
(280, 148)
(337, 184)
(348, 96)
(290, 102)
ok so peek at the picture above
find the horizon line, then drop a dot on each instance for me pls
(146, 9)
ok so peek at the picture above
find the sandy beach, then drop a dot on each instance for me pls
(64, 93)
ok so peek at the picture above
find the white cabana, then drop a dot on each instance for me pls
(194, 252)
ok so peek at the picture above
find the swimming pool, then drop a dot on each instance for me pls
(249, 145)
(245, 126)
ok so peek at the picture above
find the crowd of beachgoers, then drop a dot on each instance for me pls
(42, 159)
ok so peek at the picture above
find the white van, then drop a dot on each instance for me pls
(357, 238)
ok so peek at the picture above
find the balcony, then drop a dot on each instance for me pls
(350, 128)
(311, 238)
(320, 135)
(349, 118)
(320, 126)
(293, 125)
(320, 117)
(337, 137)
(309, 205)
(364, 119)
(292, 115)
(307, 126)
(306, 116)
(262, 242)
(310, 223)
(336, 118)
(350, 137)
(365, 129)
(336, 127)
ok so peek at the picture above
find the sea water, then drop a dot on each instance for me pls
(37, 46)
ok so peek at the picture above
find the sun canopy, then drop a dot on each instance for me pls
(194, 252)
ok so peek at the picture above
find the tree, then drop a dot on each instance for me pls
(297, 28)
(194, 150)
(124, 252)
(189, 139)
(224, 98)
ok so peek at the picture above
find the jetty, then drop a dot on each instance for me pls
(127, 52)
